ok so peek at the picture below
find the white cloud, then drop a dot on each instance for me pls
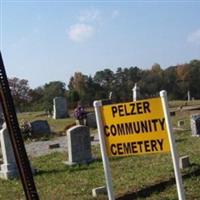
(194, 37)
(87, 22)
(80, 32)
(89, 16)
(115, 14)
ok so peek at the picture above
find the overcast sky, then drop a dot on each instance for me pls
(44, 41)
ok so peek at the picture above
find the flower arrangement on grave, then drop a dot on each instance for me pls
(25, 128)
(79, 113)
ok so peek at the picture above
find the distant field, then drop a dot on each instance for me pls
(182, 103)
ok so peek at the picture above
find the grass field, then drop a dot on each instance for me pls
(142, 177)
(138, 177)
(57, 126)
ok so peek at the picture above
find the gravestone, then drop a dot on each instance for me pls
(81, 122)
(60, 108)
(79, 145)
(172, 113)
(195, 124)
(110, 95)
(96, 192)
(91, 120)
(136, 92)
(184, 162)
(9, 167)
(40, 128)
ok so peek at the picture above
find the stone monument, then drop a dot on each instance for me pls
(40, 128)
(60, 108)
(91, 120)
(136, 92)
(9, 167)
(79, 145)
(195, 125)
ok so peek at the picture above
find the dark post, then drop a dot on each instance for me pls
(16, 137)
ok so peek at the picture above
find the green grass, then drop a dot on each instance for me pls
(142, 177)
(181, 103)
(55, 180)
(57, 125)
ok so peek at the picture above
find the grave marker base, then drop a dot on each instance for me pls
(8, 171)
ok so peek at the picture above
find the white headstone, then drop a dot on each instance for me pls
(136, 92)
(110, 95)
(184, 162)
(9, 167)
(79, 145)
(195, 125)
(60, 108)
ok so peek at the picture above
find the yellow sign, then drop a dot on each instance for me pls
(135, 128)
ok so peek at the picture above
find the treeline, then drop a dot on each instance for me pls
(176, 80)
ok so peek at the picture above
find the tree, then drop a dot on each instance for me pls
(50, 91)
(73, 97)
(183, 74)
(36, 96)
(78, 84)
(20, 91)
(104, 78)
(170, 82)
(194, 79)
(106, 81)
(93, 91)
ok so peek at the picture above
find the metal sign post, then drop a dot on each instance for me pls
(134, 128)
(107, 171)
(15, 136)
(179, 184)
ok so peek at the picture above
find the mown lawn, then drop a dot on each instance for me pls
(148, 177)
(138, 177)
(57, 125)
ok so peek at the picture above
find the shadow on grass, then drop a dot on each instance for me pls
(181, 140)
(69, 168)
(156, 187)
(53, 171)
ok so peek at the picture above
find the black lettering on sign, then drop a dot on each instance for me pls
(130, 109)
(106, 129)
(139, 108)
(147, 146)
(128, 148)
(114, 110)
(160, 142)
(135, 127)
(146, 107)
(153, 145)
(113, 149)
